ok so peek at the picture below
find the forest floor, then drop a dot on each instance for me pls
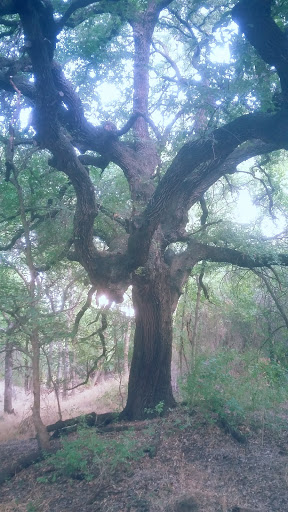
(180, 463)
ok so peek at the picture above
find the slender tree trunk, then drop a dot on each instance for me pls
(59, 365)
(65, 359)
(150, 373)
(53, 383)
(42, 434)
(49, 357)
(192, 333)
(72, 376)
(8, 379)
(182, 355)
(117, 366)
(27, 376)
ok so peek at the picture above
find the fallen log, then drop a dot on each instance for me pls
(87, 419)
(91, 420)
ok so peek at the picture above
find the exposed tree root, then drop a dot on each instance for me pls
(229, 429)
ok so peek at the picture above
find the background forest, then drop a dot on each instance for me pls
(228, 319)
(137, 84)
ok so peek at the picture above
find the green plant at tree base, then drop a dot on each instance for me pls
(90, 455)
(156, 411)
(237, 388)
(31, 507)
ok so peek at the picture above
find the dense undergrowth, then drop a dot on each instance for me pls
(241, 388)
(90, 455)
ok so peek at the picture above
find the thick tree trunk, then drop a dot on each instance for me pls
(150, 374)
(8, 379)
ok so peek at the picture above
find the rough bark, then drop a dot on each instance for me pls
(150, 373)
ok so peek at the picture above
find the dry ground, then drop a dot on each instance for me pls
(102, 398)
(196, 467)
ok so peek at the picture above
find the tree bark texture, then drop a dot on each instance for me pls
(150, 373)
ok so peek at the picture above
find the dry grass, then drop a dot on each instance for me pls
(101, 398)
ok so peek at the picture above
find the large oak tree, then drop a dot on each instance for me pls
(141, 251)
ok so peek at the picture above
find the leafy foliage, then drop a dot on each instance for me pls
(89, 455)
(237, 387)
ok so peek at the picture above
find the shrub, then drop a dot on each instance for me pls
(234, 386)
(90, 455)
